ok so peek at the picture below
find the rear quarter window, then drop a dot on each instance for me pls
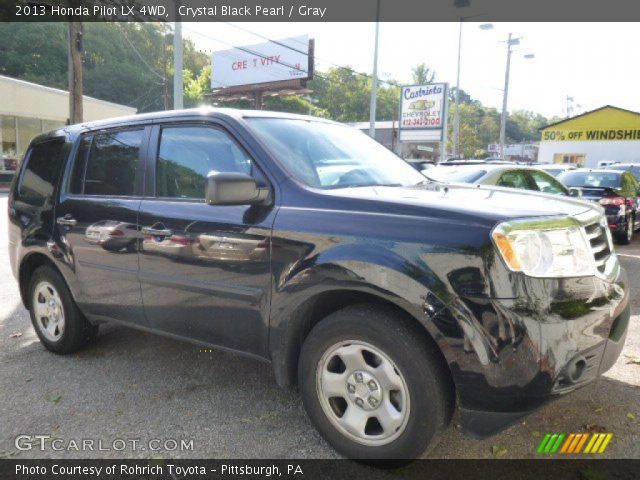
(43, 163)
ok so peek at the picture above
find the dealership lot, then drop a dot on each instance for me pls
(138, 389)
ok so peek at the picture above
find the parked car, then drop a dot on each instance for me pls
(617, 191)
(632, 168)
(511, 176)
(556, 169)
(387, 299)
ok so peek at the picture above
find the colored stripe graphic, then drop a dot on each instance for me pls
(551, 443)
(567, 442)
(573, 443)
(581, 442)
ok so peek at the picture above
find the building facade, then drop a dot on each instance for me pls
(607, 134)
(28, 109)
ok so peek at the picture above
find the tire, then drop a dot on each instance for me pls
(56, 318)
(626, 237)
(409, 416)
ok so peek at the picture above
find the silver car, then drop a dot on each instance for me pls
(510, 176)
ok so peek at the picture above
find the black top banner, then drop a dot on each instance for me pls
(318, 10)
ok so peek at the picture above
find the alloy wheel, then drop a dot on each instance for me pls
(48, 311)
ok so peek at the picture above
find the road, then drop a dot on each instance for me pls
(141, 387)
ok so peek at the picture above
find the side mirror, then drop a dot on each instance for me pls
(233, 188)
(575, 192)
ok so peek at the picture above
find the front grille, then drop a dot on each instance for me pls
(600, 243)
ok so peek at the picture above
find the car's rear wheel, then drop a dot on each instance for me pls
(626, 237)
(58, 322)
(373, 386)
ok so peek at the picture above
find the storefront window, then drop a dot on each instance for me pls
(8, 148)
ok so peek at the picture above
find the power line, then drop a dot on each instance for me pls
(124, 33)
(251, 52)
(321, 59)
(247, 50)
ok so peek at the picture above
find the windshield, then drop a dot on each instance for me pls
(452, 174)
(326, 155)
(591, 179)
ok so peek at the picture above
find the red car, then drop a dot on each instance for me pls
(617, 191)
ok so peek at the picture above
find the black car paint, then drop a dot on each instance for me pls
(506, 337)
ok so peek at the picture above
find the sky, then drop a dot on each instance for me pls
(595, 63)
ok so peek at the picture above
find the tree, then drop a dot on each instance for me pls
(422, 74)
(122, 61)
(345, 95)
(463, 97)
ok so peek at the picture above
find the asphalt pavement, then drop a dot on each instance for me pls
(138, 395)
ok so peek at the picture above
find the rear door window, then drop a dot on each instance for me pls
(41, 172)
(111, 165)
(546, 183)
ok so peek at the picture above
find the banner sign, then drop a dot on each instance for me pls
(274, 61)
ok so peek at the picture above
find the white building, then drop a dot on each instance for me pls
(28, 109)
(608, 134)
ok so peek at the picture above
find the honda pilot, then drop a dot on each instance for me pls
(386, 299)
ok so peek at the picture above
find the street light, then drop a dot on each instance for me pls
(456, 99)
(505, 93)
(374, 80)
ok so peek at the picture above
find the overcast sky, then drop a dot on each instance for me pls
(596, 63)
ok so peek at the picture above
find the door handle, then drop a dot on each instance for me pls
(157, 232)
(67, 220)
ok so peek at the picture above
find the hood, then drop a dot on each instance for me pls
(458, 201)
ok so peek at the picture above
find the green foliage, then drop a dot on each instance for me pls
(480, 126)
(422, 74)
(345, 96)
(124, 63)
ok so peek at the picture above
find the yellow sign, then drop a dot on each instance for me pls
(605, 124)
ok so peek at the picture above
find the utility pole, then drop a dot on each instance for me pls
(165, 80)
(505, 94)
(374, 83)
(570, 104)
(75, 72)
(177, 61)
(456, 116)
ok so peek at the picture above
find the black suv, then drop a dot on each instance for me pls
(385, 298)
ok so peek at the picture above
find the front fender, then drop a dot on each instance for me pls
(346, 273)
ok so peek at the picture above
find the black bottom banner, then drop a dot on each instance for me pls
(311, 469)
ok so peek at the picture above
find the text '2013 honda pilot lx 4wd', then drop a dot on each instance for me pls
(385, 298)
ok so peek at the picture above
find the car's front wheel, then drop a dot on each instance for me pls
(372, 385)
(58, 322)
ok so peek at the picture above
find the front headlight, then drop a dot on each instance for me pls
(553, 248)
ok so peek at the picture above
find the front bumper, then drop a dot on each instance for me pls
(516, 354)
